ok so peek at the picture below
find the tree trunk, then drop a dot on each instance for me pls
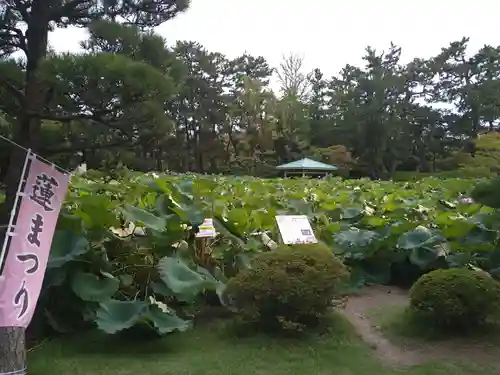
(28, 132)
(12, 340)
(12, 351)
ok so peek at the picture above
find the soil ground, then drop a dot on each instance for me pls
(407, 352)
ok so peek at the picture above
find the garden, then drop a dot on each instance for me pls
(411, 283)
(405, 275)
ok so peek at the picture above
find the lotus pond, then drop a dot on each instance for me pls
(384, 231)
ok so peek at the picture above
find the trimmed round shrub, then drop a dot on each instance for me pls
(455, 299)
(289, 287)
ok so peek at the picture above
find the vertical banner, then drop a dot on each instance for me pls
(27, 252)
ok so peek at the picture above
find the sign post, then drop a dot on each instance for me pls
(295, 229)
(206, 231)
(27, 243)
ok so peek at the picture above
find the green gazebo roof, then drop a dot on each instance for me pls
(307, 164)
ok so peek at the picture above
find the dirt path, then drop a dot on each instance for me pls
(408, 352)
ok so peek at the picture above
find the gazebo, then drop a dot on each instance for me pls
(305, 167)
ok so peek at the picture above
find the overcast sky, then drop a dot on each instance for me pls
(327, 33)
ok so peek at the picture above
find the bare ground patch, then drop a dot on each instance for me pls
(409, 352)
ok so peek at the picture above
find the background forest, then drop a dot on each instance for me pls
(130, 99)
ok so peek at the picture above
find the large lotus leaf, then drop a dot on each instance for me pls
(479, 236)
(190, 214)
(243, 260)
(374, 222)
(459, 229)
(352, 213)
(161, 289)
(494, 256)
(459, 259)
(238, 217)
(357, 278)
(167, 322)
(495, 272)
(447, 204)
(483, 220)
(164, 204)
(55, 277)
(67, 220)
(454, 226)
(377, 271)
(182, 280)
(391, 205)
(149, 220)
(397, 228)
(219, 285)
(487, 193)
(228, 231)
(126, 280)
(158, 185)
(66, 246)
(92, 288)
(355, 238)
(163, 243)
(96, 211)
(447, 218)
(419, 237)
(424, 256)
(299, 206)
(263, 217)
(184, 190)
(114, 316)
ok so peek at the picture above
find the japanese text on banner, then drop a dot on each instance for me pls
(29, 248)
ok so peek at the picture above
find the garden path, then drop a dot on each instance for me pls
(406, 352)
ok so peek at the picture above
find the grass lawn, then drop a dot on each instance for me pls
(396, 323)
(213, 350)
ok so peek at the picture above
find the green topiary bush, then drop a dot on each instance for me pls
(291, 287)
(455, 299)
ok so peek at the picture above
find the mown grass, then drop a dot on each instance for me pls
(212, 349)
(397, 323)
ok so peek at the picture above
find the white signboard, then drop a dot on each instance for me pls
(295, 229)
(206, 229)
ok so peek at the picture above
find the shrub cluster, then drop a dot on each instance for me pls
(289, 287)
(455, 299)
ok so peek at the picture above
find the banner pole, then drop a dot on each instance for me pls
(8, 232)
